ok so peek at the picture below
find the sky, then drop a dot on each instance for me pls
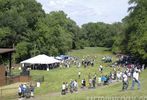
(84, 11)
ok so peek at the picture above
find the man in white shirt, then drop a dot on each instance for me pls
(19, 91)
(75, 86)
(125, 81)
(63, 89)
(99, 81)
(136, 78)
(118, 76)
(101, 68)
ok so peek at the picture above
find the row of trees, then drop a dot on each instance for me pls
(100, 34)
(128, 37)
(25, 26)
(133, 39)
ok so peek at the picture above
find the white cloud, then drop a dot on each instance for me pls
(83, 11)
(50, 5)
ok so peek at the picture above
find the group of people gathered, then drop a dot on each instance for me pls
(71, 87)
(75, 61)
(117, 75)
(133, 74)
(25, 91)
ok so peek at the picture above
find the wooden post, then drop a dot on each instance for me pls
(10, 64)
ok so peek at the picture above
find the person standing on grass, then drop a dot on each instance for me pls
(79, 74)
(95, 76)
(99, 81)
(118, 76)
(136, 78)
(83, 83)
(101, 68)
(32, 90)
(90, 83)
(125, 81)
(23, 87)
(63, 89)
(71, 86)
(79, 64)
(93, 82)
(76, 86)
(19, 91)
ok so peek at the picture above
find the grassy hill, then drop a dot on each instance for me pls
(51, 87)
(114, 90)
(54, 79)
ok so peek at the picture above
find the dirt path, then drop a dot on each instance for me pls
(38, 97)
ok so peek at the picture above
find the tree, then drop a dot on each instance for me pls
(134, 41)
(19, 16)
(98, 34)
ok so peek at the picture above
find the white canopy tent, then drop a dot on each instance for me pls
(40, 59)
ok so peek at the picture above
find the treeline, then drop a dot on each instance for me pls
(25, 26)
(133, 39)
(100, 34)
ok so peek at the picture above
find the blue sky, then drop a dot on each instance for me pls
(84, 11)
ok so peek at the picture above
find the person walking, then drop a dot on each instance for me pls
(71, 86)
(125, 81)
(101, 69)
(63, 89)
(79, 74)
(32, 90)
(76, 86)
(83, 83)
(136, 78)
(19, 91)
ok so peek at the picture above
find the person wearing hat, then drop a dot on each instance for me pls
(136, 78)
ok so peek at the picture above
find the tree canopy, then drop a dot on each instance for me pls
(134, 41)
(25, 26)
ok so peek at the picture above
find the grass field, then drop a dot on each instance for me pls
(54, 78)
(51, 87)
(109, 91)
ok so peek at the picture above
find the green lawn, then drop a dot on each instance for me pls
(109, 91)
(54, 79)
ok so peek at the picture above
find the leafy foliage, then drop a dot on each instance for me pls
(25, 26)
(134, 41)
(99, 34)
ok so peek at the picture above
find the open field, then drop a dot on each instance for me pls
(55, 78)
(51, 87)
(114, 90)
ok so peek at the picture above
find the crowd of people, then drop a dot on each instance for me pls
(71, 87)
(133, 70)
(25, 91)
(75, 61)
(123, 71)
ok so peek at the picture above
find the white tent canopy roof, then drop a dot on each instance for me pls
(40, 59)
